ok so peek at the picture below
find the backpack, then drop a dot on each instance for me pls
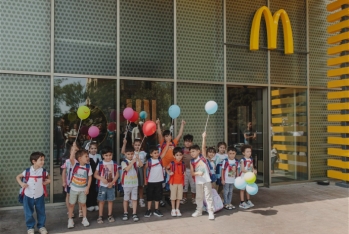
(100, 168)
(25, 179)
(124, 173)
(150, 166)
(76, 168)
(173, 169)
(245, 163)
(216, 201)
(226, 165)
(208, 165)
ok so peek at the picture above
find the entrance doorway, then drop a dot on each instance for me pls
(247, 124)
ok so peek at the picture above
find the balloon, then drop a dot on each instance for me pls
(83, 112)
(211, 107)
(250, 177)
(128, 113)
(174, 111)
(149, 128)
(84, 130)
(112, 126)
(113, 115)
(93, 131)
(72, 116)
(252, 189)
(240, 183)
(134, 117)
(143, 115)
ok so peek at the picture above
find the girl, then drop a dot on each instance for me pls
(209, 154)
(218, 159)
(95, 158)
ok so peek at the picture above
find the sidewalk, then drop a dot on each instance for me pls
(298, 208)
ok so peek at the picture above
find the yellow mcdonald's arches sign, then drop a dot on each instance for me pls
(271, 22)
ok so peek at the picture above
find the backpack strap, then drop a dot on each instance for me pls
(44, 176)
(150, 165)
(25, 178)
(100, 168)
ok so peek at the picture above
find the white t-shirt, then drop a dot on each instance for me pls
(201, 166)
(95, 157)
(230, 174)
(80, 178)
(274, 152)
(130, 179)
(142, 156)
(107, 172)
(218, 158)
(35, 188)
(248, 167)
(156, 172)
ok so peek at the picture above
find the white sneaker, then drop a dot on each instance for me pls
(96, 208)
(70, 223)
(197, 213)
(210, 215)
(43, 230)
(173, 213)
(250, 204)
(91, 208)
(85, 222)
(178, 213)
(130, 204)
(30, 231)
(244, 205)
(141, 203)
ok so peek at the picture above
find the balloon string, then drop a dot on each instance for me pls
(78, 131)
(126, 130)
(206, 122)
(143, 140)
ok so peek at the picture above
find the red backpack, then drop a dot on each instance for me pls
(150, 166)
(124, 173)
(226, 165)
(173, 169)
(26, 178)
(208, 165)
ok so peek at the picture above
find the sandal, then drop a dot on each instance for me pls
(193, 200)
(228, 207)
(232, 206)
(100, 219)
(111, 219)
(184, 200)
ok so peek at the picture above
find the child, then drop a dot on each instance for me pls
(228, 177)
(34, 192)
(219, 157)
(153, 177)
(246, 165)
(140, 173)
(107, 174)
(199, 169)
(176, 171)
(209, 154)
(129, 181)
(188, 179)
(95, 158)
(79, 186)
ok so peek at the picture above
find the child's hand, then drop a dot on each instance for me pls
(157, 121)
(171, 173)
(124, 141)
(104, 181)
(255, 171)
(204, 134)
(110, 185)
(199, 173)
(64, 184)
(86, 190)
(46, 182)
(183, 122)
(223, 182)
(145, 182)
(24, 185)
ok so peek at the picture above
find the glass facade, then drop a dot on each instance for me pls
(149, 55)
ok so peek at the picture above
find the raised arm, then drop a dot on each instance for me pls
(203, 147)
(164, 151)
(124, 142)
(158, 130)
(180, 133)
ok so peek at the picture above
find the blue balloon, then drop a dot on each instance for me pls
(174, 111)
(252, 189)
(143, 115)
(211, 107)
(240, 183)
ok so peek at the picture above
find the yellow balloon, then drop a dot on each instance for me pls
(250, 177)
(83, 112)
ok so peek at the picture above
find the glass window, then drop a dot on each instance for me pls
(289, 152)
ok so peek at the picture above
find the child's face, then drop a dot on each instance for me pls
(188, 144)
(129, 155)
(168, 138)
(154, 154)
(231, 154)
(194, 153)
(39, 163)
(84, 159)
(137, 146)
(221, 149)
(93, 149)
(210, 154)
(108, 157)
(178, 156)
(247, 153)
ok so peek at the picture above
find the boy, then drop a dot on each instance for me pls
(176, 171)
(129, 181)
(34, 192)
(153, 177)
(199, 169)
(107, 174)
(79, 186)
(228, 177)
(246, 165)
(188, 179)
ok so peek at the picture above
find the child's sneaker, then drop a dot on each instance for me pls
(80, 214)
(130, 204)
(197, 213)
(70, 223)
(96, 208)
(244, 205)
(91, 208)
(135, 217)
(43, 230)
(210, 215)
(162, 203)
(158, 213)
(141, 203)
(85, 222)
(250, 204)
(31, 231)
(178, 213)
(193, 201)
(125, 216)
(173, 213)
(147, 214)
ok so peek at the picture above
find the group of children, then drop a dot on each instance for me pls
(89, 177)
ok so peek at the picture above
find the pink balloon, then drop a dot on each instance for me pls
(128, 113)
(93, 131)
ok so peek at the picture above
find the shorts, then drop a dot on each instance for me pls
(189, 180)
(176, 191)
(130, 193)
(154, 191)
(106, 194)
(140, 176)
(77, 196)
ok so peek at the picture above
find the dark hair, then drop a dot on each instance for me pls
(188, 137)
(244, 147)
(166, 133)
(194, 147)
(231, 148)
(129, 149)
(137, 140)
(35, 157)
(221, 143)
(211, 149)
(106, 149)
(80, 153)
(177, 150)
(93, 143)
(152, 149)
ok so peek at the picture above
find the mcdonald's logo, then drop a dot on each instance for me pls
(271, 22)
